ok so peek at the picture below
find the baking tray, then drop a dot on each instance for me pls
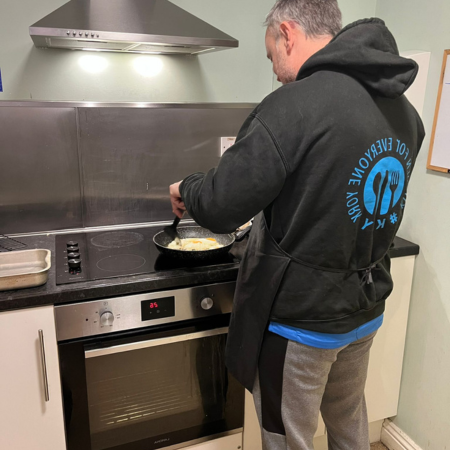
(24, 268)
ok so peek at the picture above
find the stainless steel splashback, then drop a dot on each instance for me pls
(73, 165)
(39, 172)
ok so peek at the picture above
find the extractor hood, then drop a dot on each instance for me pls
(130, 26)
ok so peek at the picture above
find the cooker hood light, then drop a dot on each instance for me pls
(128, 26)
(93, 63)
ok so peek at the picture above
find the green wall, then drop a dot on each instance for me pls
(425, 392)
(240, 75)
(356, 9)
(232, 75)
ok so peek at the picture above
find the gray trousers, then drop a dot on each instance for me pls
(296, 381)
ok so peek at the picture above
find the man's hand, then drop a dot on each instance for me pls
(178, 207)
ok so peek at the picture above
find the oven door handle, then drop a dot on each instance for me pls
(154, 343)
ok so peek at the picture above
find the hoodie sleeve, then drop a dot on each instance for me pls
(249, 177)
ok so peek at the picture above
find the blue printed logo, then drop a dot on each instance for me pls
(384, 186)
(376, 194)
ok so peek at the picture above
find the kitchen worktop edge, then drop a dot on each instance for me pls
(52, 294)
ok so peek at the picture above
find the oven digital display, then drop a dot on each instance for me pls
(158, 308)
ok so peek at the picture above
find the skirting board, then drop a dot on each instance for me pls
(395, 439)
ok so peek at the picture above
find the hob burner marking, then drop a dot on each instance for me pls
(121, 263)
(117, 239)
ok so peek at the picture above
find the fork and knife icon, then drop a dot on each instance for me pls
(390, 181)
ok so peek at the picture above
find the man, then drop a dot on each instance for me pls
(323, 163)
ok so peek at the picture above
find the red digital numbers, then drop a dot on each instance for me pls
(153, 305)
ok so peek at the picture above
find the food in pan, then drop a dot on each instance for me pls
(195, 244)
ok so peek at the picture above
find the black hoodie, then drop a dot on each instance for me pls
(327, 159)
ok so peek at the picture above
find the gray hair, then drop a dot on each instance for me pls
(315, 17)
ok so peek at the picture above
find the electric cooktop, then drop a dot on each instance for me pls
(107, 254)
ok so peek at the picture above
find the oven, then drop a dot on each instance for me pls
(147, 371)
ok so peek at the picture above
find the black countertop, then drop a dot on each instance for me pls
(50, 293)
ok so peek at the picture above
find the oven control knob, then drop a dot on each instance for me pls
(107, 318)
(207, 303)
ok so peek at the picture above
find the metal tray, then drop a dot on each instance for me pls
(24, 269)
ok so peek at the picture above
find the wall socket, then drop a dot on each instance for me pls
(226, 143)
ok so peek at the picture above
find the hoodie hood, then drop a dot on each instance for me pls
(367, 51)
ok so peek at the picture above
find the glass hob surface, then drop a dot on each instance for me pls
(116, 253)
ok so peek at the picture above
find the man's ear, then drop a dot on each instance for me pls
(287, 35)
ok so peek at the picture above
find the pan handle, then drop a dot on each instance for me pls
(239, 235)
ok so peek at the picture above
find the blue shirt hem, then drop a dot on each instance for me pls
(325, 340)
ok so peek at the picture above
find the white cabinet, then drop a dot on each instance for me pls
(386, 355)
(386, 360)
(27, 420)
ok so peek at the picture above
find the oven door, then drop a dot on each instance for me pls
(145, 391)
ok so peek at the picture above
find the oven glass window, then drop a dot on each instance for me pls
(161, 395)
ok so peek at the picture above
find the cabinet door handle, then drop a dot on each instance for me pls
(44, 365)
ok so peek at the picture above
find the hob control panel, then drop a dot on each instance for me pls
(71, 259)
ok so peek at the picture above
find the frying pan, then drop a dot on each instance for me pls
(162, 240)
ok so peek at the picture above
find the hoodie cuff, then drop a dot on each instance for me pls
(184, 184)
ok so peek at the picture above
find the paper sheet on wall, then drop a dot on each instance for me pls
(441, 147)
